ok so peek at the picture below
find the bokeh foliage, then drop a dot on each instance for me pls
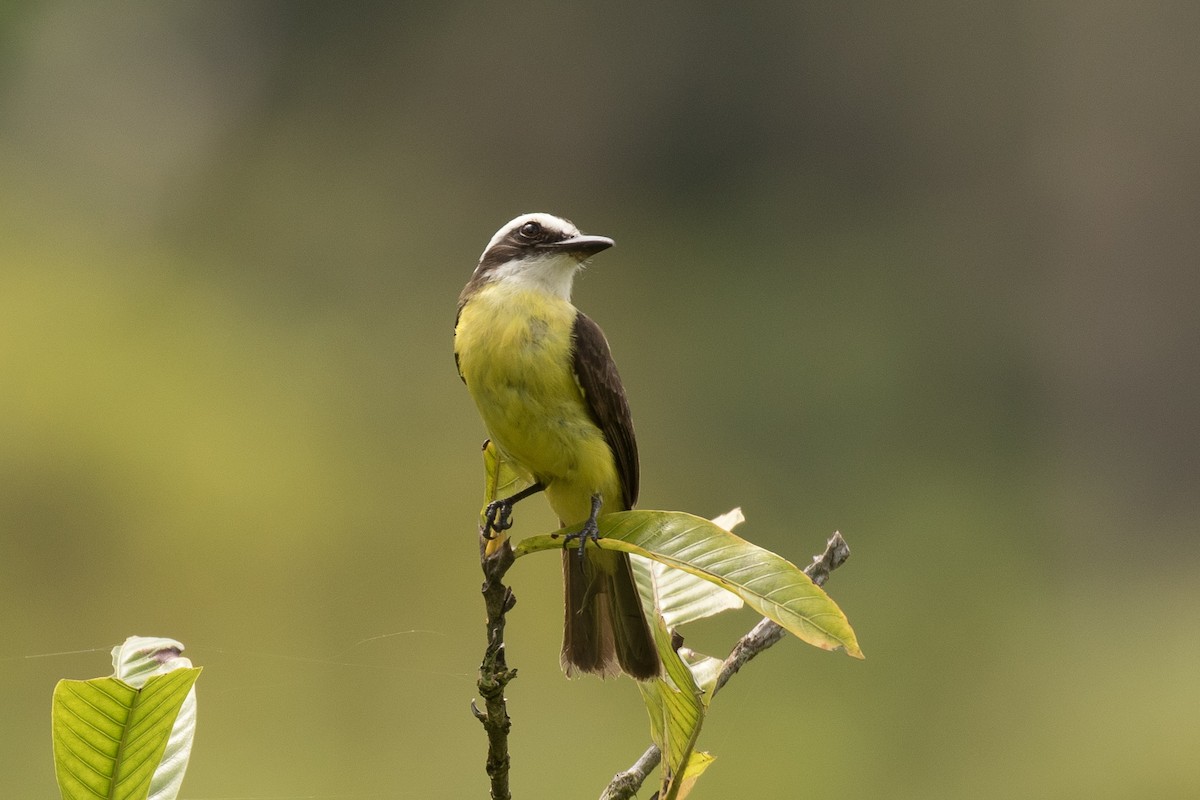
(923, 274)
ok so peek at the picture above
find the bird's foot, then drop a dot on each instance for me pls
(498, 514)
(590, 529)
(497, 517)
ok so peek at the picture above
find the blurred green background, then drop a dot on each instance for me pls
(927, 276)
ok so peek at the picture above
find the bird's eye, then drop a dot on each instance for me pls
(530, 230)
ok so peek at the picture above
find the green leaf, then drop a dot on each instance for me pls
(678, 701)
(680, 596)
(769, 584)
(676, 708)
(697, 763)
(110, 736)
(683, 596)
(675, 719)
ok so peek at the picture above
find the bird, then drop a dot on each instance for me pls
(545, 384)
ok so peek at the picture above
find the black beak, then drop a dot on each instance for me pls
(579, 246)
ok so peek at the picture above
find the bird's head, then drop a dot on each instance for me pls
(540, 251)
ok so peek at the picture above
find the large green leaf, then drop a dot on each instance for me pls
(769, 584)
(110, 736)
(682, 597)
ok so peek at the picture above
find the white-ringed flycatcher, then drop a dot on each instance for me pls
(544, 381)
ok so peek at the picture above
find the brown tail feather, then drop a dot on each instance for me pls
(605, 629)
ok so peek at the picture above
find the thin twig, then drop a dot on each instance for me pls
(494, 673)
(625, 785)
(767, 632)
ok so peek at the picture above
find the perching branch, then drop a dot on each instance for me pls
(766, 633)
(494, 673)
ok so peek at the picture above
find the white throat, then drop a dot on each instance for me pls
(552, 275)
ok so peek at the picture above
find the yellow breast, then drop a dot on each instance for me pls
(514, 352)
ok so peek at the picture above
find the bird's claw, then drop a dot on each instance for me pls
(590, 530)
(497, 517)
